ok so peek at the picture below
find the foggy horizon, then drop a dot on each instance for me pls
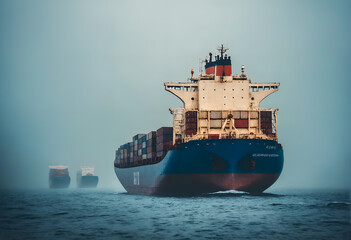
(79, 79)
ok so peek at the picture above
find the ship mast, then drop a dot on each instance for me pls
(222, 49)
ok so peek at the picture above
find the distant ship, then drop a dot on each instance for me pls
(59, 177)
(221, 139)
(86, 178)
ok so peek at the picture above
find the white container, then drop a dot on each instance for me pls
(244, 115)
(216, 115)
(253, 115)
(216, 123)
(203, 114)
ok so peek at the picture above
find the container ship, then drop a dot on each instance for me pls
(59, 177)
(86, 178)
(220, 140)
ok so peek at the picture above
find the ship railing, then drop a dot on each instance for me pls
(271, 136)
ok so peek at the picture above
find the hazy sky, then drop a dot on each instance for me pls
(79, 78)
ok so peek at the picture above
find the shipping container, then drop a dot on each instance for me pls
(191, 114)
(190, 132)
(190, 126)
(144, 150)
(164, 146)
(266, 114)
(191, 120)
(151, 135)
(236, 115)
(135, 145)
(151, 155)
(164, 138)
(151, 142)
(215, 123)
(213, 136)
(225, 114)
(253, 115)
(164, 131)
(138, 136)
(241, 123)
(216, 114)
(203, 115)
(159, 154)
(266, 125)
(244, 115)
(149, 149)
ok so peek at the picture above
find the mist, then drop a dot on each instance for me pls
(79, 78)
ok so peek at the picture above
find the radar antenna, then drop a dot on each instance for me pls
(222, 49)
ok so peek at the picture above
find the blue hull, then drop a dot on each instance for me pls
(87, 181)
(59, 182)
(204, 166)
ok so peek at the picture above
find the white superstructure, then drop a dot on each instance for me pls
(227, 106)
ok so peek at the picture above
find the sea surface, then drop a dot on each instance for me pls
(109, 214)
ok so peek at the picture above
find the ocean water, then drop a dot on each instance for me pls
(109, 214)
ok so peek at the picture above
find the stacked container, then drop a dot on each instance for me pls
(151, 145)
(130, 153)
(117, 158)
(266, 122)
(241, 119)
(138, 148)
(164, 141)
(190, 123)
(216, 119)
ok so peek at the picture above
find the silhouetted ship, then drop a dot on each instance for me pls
(59, 177)
(221, 139)
(86, 178)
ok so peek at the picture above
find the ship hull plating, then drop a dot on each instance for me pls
(206, 166)
(87, 181)
(59, 182)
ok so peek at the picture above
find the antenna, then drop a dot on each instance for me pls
(222, 49)
(201, 65)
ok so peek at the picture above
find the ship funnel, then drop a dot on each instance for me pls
(221, 66)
